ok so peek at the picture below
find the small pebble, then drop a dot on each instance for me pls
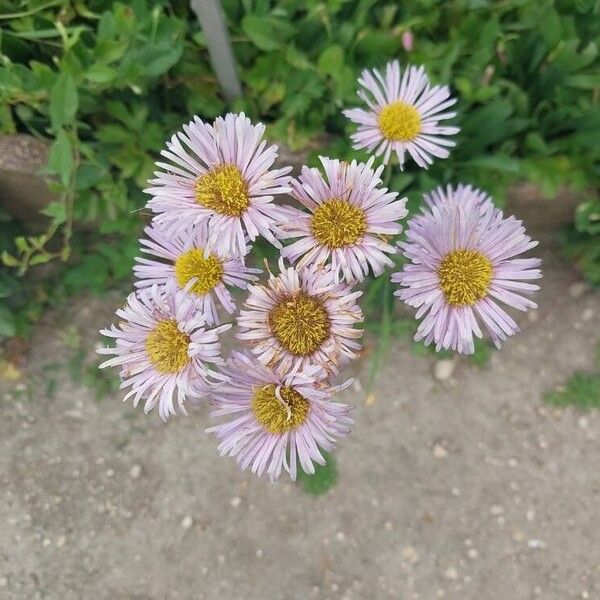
(451, 573)
(259, 553)
(235, 502)
(578, 289)
(583, 422)
(221, 559)
(443, 369)
(496, 509)
(3, 581)
(135, 471)
(410, 555)
(536, 544)
(587, 314)
(340, 536)
(187, 522)
(61, 541)
(439, 451)
(472, 553)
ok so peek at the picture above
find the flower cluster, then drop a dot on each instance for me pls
(215, 193)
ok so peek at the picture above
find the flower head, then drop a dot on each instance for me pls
(349, 217)
(301, 317)
(221, 175)
(163, 349)
(463, 264)
(186, 258)
(403, 115)
(275, 421)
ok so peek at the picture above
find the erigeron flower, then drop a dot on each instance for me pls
(463, 265)
(221, 175)
(185, 257)
(163, 349)
(275, 421)
(302, 317)
(403, 114)
(349, 219)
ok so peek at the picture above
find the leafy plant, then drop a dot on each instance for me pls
(323, 479)
(581, 390)
(106, 82)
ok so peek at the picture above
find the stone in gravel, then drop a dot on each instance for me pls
(587, 314)
(439, 451)
(443, 369)
(578, 289)
(235, 502)
(187, 522)
(61, 541)
(410, 555)
(135, 471)
(451, 573)
(496, 509)
(536, 544)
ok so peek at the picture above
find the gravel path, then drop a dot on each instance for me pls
(466, 488)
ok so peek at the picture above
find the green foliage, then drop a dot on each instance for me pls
(581, 390)
(581, 242)
(323, 479)
(107, 82)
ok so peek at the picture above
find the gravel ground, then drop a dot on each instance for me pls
(465, 488)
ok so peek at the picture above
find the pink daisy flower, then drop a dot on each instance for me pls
(185, 257)
(275, 421)
(163, 349)
(462, 266)
(348, 220)
(302, 317)
(403, 115)
(221, 174)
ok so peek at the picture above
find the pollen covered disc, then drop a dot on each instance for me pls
(224, 190)
(337, 223)
(300, 323)
(167, 347)
(465, 276)
(208, 270)
(399, 122)
(279, 409)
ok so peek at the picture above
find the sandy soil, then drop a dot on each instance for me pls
(469, 488)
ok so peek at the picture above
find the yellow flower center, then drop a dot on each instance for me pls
(400, 122)
(193, 263)
(223, 190)
(279, 409)
(337, 223)
(300, 323)
(465, 276)
(167, 347)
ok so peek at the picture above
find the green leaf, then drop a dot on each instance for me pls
(64, 101)
(60, 158)
(323, 479)
(56, 211)
(9, 260)
(100, 74)
(331, 61)
(8, 326)
(266, 33)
